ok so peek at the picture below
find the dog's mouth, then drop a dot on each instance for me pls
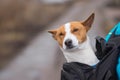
(71, 47)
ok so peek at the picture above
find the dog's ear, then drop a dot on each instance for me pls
(88, 23)
(53, 32)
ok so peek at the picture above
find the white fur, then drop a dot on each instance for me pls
(69, 35)
(83, 52)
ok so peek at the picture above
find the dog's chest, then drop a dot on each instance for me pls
(83, 56)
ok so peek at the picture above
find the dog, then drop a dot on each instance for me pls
(74, 41)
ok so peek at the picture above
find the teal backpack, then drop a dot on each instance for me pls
(116, 31)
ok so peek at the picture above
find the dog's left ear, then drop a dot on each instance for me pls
(88, 23)
(53, 32)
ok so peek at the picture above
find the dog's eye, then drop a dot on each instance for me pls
(75, 30)
(61, 34)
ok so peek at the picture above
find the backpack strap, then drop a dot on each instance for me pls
(115, 31)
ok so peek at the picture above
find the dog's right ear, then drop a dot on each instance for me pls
(53, 32)
(88, 23)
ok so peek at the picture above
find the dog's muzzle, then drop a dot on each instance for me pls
(69, 44)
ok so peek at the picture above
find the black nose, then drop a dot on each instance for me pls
(68, 42)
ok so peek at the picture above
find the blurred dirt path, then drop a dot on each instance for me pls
(42, 59)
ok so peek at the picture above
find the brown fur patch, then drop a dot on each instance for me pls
(79, 31)
(60, 35)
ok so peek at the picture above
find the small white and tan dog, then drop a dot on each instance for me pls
(74, 42)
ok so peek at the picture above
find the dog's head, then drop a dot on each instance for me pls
(72, 34)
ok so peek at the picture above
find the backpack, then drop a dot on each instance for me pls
(116, 32)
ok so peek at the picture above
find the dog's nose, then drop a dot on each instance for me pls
(68, 42)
